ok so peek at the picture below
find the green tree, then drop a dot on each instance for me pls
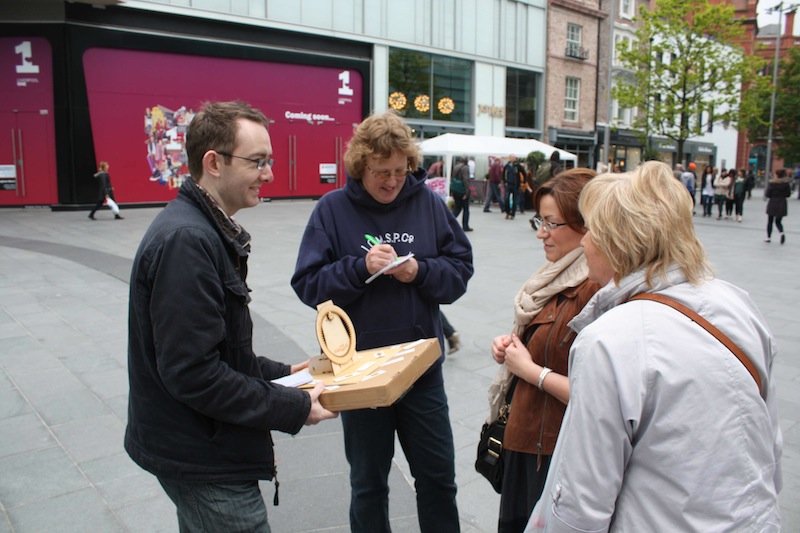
(533, 160)
(685, 71)
(757, 100)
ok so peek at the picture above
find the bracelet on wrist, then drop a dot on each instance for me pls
(543, 375)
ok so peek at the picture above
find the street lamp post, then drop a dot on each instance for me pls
(768, 167)
(607, 133)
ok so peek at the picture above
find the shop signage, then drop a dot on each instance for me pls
(491, 110)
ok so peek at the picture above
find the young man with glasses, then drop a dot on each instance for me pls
(201, 403)
(384, 211)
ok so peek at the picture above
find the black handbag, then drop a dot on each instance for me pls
(489, 462)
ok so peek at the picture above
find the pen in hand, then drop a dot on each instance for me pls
(373, 241)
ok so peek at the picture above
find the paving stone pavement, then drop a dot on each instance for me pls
(63, 378)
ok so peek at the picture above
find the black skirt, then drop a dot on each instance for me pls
(522, 487)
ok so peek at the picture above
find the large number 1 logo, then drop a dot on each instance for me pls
(345, 90)
(27, 67)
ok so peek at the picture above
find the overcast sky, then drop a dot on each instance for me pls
(772, 18)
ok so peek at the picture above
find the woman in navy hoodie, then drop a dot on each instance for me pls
(387, 209)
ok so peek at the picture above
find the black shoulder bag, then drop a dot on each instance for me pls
(490, 446)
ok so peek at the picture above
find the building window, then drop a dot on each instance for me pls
(621, 114)
(626, 8)
(521, 102)
(574, 42)
(572, 96)
(626, 41)
(710, 115)
(427, 86)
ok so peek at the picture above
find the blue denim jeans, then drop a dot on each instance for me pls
(233, 506)
(494, 195)
(422, 422)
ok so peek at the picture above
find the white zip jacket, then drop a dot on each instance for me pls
(665, 429)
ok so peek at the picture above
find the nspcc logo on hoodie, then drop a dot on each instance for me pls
(391, 238)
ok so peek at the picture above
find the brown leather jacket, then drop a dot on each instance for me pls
(535, 416)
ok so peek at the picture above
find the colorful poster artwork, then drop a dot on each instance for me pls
(165, 144)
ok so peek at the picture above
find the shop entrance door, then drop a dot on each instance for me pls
(27, 159)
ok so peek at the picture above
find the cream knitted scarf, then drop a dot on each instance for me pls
(552, 278)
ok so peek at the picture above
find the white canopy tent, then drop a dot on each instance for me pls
(454, 144)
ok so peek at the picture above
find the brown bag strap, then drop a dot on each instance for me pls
(708, 326)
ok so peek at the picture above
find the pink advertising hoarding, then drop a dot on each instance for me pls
(140, 104)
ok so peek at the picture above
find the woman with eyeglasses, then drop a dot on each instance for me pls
(385, 211)
(534, 356)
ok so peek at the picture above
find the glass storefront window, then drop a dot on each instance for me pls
(521, 101)
(625, 157)
(427, 86)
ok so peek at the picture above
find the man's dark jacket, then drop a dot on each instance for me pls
(201, 404)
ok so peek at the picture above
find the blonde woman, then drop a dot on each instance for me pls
(665, 429)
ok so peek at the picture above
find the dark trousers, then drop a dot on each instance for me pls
(522, 488)
(447, 328)
(720, 204)
(738, 203)
(778, 223)
(708, 203)
(421, 421)
(512, 200)
(462, 204)
(494, 195)
(100, 203)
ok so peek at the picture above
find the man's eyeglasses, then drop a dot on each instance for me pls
(260, 163)
(386, 174)
(546, 225)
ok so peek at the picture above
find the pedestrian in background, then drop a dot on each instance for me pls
(452, 337)
(722, 186)
(494, 194)
(688, 178)
(797, 181)
(778, 190)
(459, 190)
(435, 170)
(707, 190)
(751, 183)
(511, 182)
(729, 197)
(105, 192)
(739, 193)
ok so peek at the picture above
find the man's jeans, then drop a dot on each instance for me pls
(494, 195)
(512, 200)
(234, 506)
(422, 422)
